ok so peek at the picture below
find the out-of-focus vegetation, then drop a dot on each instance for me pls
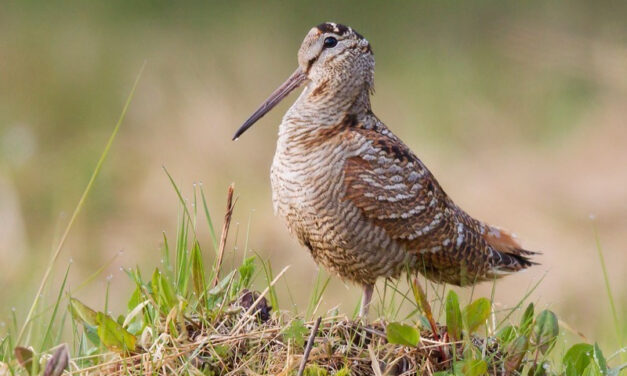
(519, 109)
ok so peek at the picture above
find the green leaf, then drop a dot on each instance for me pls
(402, 334)
(217, 293)
(515, 354)
(474, 367)
(600, 359)
(545, 330)
(592, 370)
(453, 316)
(135, 299)
(577, 358)
(163, 292)
(220, 288)
(91, 333)
(83, 313)
(476, 314)
(84, 350)
(315, 370)
(246, 271)
(222, 351)
(212, 232)
(421, 298)
(135, 327)
(506, 334)
(113, 335)
(526, 320)
(345, 371)
(198, 272)
(296, 332)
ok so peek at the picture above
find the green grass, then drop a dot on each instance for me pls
(620, 340)
(178, 321)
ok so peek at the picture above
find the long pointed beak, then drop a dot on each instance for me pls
(295, 80)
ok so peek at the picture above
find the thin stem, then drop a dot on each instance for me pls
(608, 289)
(79, 206)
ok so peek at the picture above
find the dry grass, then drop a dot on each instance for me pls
(185, 320)
(252, 344)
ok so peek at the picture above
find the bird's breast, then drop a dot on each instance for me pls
(308, 191)
(304, 176)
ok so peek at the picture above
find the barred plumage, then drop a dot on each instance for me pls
(354, 194)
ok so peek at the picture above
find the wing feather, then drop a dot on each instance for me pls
(396, 191)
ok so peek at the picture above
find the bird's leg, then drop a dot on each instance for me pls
(365, 301)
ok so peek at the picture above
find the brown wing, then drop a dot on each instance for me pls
(394, 190)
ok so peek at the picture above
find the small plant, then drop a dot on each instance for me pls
(471, 355)
(185, 318)
(516, 349)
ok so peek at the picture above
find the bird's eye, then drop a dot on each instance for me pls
(330, 42)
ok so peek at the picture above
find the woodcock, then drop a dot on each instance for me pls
(354, 194)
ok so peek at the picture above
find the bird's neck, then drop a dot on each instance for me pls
(326, 103)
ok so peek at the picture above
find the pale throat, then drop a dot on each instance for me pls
(328, 101)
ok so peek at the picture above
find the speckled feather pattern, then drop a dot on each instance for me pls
(358, 198)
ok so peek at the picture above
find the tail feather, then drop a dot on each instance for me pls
(508, 256)
(510, 262)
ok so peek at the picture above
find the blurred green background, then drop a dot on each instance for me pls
(519, 109)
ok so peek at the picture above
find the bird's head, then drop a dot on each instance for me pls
(334, 52)
(334, 58)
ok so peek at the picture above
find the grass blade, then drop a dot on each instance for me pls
(610, 296)
(55, 310)
(320, 287)
(180, 196)
(212, 231)
(198, 275)
(79, 206)
(267, 271)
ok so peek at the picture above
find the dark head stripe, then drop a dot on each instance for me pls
(339, 29)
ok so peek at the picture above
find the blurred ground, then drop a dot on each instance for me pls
(520, 110)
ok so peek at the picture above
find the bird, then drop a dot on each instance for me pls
(354, 194)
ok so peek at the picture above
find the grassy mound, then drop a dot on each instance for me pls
(189, 319)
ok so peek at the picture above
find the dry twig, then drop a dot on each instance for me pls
(310, 343)
(225, 232)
